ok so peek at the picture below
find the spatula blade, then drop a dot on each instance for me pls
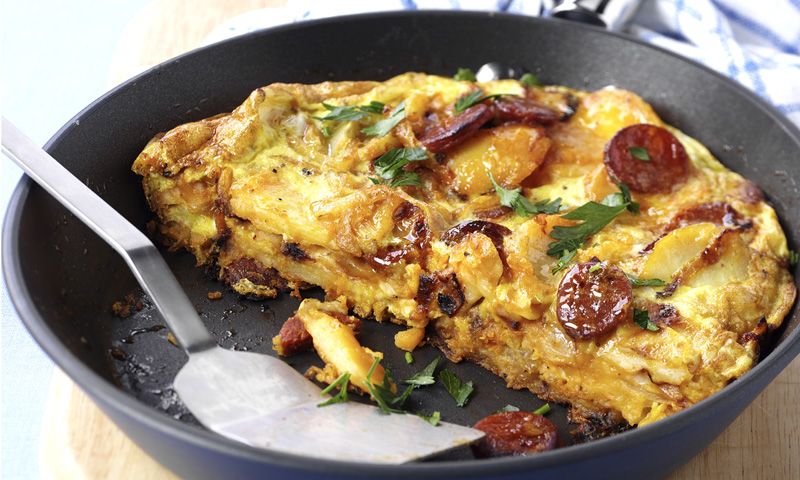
(261, 401)
(351, 432)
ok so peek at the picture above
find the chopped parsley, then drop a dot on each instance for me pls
(465, 74)
(434, 418)
(457, 389)
(529, 80)
(645, 282)
(514, 199)
(794, 257)
(642, 318)
(389, 166)
(475, 97)
(382, 394)
(342, 383)
(639, 153)
(344, 113)
(424, 376)
(325, 131)
(593, 216)
(543, 410)
(595, 267)
(409, 358)
(382, 127)
(508, 408)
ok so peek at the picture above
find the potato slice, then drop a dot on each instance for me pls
(678, 248)
(510, 152)
(336, 344)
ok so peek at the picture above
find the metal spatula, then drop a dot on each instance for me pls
(249, 397)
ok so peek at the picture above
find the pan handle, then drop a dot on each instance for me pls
(144, 260)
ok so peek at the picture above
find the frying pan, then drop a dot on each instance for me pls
(63, 279)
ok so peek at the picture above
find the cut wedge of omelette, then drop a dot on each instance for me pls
(568, 241)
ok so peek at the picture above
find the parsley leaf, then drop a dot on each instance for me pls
(455, 387)
(433, 418)
(344, 113)
(342, 382)
(530, 80)
(382, 394)
(475, 97)
(639, 153)
(389, 166)
(382, 127)
(563, 261)
(409, 358)
(642, 318)
(595, 267)
(620, 198)
(465, 74)
(424, 376)
(514, 199)
(794, 257)
(593, 216)
(419, 379)
(646, 282)
(543, 410)
(508, 408)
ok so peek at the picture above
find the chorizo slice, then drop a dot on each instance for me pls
(440, 138)
(593, 299)
(514, 433)
(646, 158)
(524, 110)
(719, 213)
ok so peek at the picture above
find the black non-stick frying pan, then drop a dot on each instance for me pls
(63, 279)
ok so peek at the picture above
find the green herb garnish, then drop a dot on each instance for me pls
(342, 383)
(794, 257)
(344, 113)
(508, 408)
(475, 97)
(639, 153)
(409, 358)
(389, 166)
(593, 216)
(529, 80)
(382, 394)
(543, 410)
(623, 197)
(424, 376)
(563, 260)
(326, 132)
(514, 199)
(433, 418)
(457, 389)
(595, 267)
(646, 282)
(465, 74)
(382, 127)
(642, 318)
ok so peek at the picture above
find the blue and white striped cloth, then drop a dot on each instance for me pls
(756, 42)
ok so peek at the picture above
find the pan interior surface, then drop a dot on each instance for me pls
(65, 279)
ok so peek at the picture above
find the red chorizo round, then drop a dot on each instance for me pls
(646, 158)
(514, 433)
(593, 299)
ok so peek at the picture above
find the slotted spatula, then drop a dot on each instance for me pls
(253, 398)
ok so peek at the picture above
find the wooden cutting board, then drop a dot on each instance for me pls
(80, 442)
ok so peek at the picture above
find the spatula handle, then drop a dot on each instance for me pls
(139, 253)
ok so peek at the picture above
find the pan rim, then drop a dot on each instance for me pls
(109, 395)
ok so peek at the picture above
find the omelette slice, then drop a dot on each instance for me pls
(568, 241)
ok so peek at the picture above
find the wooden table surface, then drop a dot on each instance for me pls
(79, 442)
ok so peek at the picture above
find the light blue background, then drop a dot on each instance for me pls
(56, 57)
